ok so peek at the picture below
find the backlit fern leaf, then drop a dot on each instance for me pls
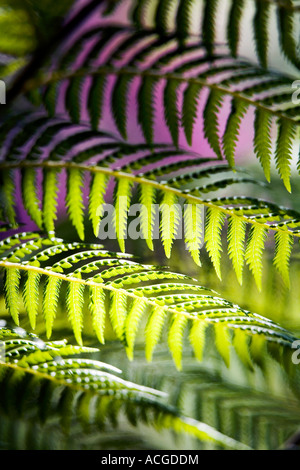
(214, 223)
(122, 203)
(175, 338)
(30, 197)
(98, 311)
(286, 134)
(98, 188)
(30, 295)
(50, 200)
(162, 179)
(169, 221)
(284, 243)
(12, 283)
(222, 341)
(254, 252)
(126, 291)
(74, 200)
(193, 230)
(236, 242)
(74, 301)
(262, 140)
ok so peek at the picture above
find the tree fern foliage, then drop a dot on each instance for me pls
(155, 175)
(142, 60)
(189, 16)
(54, 383)
(107, 112)
(127, 293)
(261, 419)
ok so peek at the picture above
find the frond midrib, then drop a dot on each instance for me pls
(283, 336)
(135, 72)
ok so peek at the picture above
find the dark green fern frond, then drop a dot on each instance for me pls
(132, 291)
(148, 61)
(186, 14)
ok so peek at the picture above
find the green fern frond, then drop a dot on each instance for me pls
(286, 134)
(188, 14)
(122, 204)
(215, 220)
(232, 130)
(126, 290)
(263, 419)
(208, 25)
(74, 200)
(71, 382)
(169, 221)
(236, 237)
(254, 252)
(211, 116)
(260, 23)
(245, 84)
(284, 243)
(262, 140)
(160, 185)
(234, 25)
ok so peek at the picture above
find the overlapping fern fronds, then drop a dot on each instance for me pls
(189, 16)
(161, 176)
(162, 73)
(263, 419)
(54, 381)
(128, 293)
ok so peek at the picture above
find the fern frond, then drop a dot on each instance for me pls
(224, 78)
(254, 252)
(263, 419)
(65, 383)
(262, 140)
(232, 130)
(214, 223)
(74, 200)
(283, 250)
(122, 204)
(161, 185)
(188, 14)
(236, 237)
(208, 25)
(211, 116)
(283, 154)
(189, 109)
(126, 290)
(260, 23)
(50, 191)
(234, 24)
(169, 221)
